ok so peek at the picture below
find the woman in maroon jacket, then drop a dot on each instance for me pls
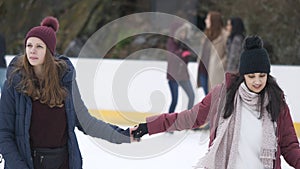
(250, 121)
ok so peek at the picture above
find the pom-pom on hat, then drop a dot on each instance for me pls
(254, 58)
(46, 32)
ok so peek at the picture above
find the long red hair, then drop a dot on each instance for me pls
(216, 25)
(47, 90)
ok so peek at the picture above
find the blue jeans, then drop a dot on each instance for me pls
(187, 87)
(2, 77)
(204, 82)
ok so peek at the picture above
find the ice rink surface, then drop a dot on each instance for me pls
(183, 153)
(180, 150)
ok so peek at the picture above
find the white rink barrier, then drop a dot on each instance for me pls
(145, 86)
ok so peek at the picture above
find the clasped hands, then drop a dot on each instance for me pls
(138, 131)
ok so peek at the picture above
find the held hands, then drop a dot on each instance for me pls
(138, 131)
(131, 129)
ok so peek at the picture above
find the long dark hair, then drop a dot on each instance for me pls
(238, 27)
(275, 96)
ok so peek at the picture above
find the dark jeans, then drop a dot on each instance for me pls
(204, 82)
(187, 87)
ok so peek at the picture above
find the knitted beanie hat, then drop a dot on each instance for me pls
(254, 58)
(46, 32)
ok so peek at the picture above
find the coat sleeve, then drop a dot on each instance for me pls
(289, 144)
(187, 119)
(8, 146)
(94, 127)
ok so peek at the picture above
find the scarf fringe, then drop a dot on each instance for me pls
(267, 156)
(268, 164)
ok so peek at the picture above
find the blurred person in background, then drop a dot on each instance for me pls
(177, 68)
(213, 58)
(236, 30)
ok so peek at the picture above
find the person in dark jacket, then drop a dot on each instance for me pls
(251, 124)
(41, 105)
(177, 70)
(2, 61)
(236, 29)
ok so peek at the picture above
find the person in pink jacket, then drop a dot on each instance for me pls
(250, 120)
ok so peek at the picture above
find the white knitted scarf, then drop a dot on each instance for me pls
(223, 151)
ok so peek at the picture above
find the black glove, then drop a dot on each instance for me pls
(140, 131)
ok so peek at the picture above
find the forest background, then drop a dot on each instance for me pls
(276, 21)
